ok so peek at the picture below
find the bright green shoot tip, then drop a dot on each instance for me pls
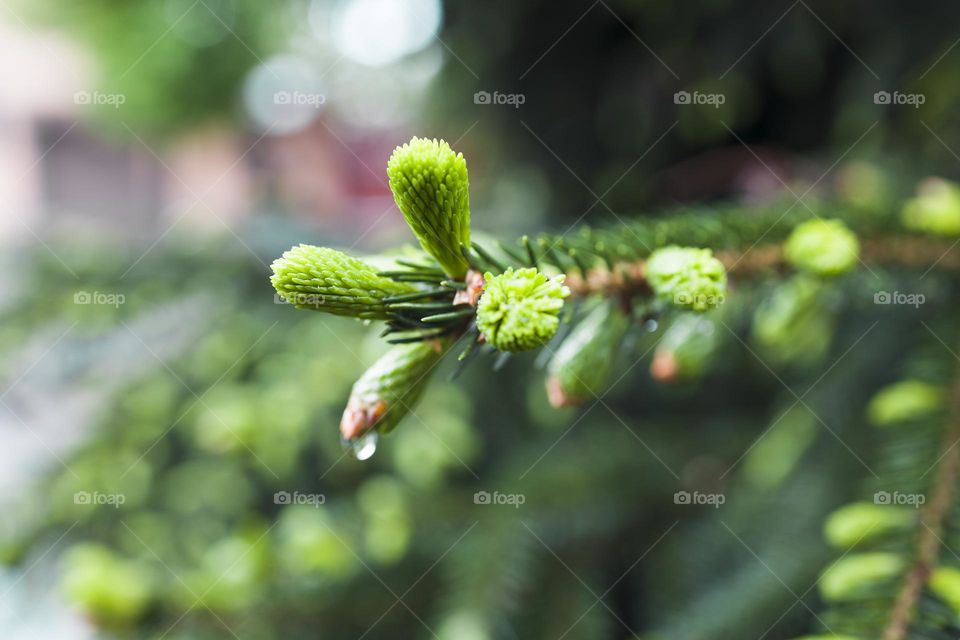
(328, 280)
(823, 247)
(687, 277)
(430, 185)
(519, 310)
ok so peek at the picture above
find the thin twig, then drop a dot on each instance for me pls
(913, 252)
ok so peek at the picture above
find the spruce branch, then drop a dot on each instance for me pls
(508, 297)
(893, 581)
(627, 277)
(933, 519)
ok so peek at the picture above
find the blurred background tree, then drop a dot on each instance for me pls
(213, 135)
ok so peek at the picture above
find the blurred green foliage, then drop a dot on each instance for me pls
(178, 63)
(242, 515)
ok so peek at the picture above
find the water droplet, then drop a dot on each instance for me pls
(364, 447)
(651, 325)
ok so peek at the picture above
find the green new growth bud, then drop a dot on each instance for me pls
(687, 277)
(824, 247)
(581, 367)
(945, 582)
(429, 182)
(856, 574)
(389, 389)
(935, 210)
(864, 521)
(112, 590)
(519, 310)
(903, 401)
(324, 279)
(863, 185)
(794, 325)
(685, 350)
